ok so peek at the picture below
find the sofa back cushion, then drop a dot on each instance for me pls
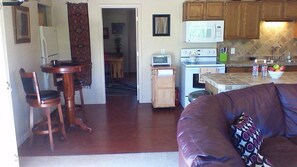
(288, 98)
(203, 135)
(261, 103)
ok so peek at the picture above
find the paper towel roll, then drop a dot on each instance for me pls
(168, 72)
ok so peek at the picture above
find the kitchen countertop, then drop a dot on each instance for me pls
(249, 63)
(232, 81)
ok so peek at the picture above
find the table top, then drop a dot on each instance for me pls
(64, 67)
(231, 81)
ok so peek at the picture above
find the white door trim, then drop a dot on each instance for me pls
(138, 46)
(8, 153)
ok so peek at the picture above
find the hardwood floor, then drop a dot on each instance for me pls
(120, 126)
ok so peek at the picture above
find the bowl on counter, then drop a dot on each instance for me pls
(275, 74)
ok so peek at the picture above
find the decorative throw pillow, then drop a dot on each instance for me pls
(247, 140)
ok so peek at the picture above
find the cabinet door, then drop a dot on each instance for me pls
(251, 20)
(290, 10)
(291, 68)
(272, 10)
(238, 69)
(193, 11)
(232, 17)
(214, 10)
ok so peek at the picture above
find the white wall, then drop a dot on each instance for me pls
(148, 44)
(24, 55)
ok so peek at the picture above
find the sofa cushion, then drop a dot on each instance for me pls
(288, 98)
(203, 135)
(280, 151)
(261, 103)
(247, 140)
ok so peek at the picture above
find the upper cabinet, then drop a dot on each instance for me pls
(279, 11)
(242, 20)
(193, 10)
(290, 11)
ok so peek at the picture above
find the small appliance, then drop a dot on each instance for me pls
(203, 31)
(161, 60)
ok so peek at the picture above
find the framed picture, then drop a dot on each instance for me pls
(105, 33)
(161, 25)
(117, 28)
(21, 23)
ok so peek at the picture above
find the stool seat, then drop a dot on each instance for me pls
(194, 95)
(46, 95)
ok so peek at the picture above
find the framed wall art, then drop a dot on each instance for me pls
(21, 23)
(161, 25)
(117, 28)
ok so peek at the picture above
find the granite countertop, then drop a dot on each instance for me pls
(249, 63)
(231, 81)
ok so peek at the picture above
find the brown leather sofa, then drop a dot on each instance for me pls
(203, 129)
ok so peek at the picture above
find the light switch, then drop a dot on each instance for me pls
(232, 51)
(163, 51)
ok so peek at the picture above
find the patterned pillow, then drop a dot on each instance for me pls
(247, 140)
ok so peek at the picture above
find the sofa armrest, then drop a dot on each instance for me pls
(203, 135)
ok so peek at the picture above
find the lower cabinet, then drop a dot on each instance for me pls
(163, 87)
(249, 69)
(238, 69)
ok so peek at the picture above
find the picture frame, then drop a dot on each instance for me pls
(117, 28)
(21, 24)
(161, 25)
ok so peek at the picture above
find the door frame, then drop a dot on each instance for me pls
(138, 45)
(9, 155)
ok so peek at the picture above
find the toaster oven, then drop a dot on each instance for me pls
(161, 60)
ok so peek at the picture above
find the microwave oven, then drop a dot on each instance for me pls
(161, 60)
(203, 31)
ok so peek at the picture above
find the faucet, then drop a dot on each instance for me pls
(273, 51)
(282, 57)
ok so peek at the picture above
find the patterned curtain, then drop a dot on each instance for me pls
(78, 20)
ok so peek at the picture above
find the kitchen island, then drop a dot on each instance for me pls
(217, 83)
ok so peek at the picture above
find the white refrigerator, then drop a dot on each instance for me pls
(49, 52)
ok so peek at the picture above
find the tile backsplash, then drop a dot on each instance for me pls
(272, 34)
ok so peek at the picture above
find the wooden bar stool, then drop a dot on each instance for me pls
(42, 99)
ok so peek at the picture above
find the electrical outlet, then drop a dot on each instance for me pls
(163, 51)
(232, 51)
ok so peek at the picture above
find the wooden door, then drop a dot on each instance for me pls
(232, 17)
(272, 10)
(193, 11)
(290, 10)
(251, 20)
(214, 10)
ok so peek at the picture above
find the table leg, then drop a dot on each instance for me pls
(69, 103)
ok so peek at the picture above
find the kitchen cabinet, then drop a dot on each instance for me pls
(163, 87)
(242, 20)
(249, 69)
(202, 11)
(238, 69)
(272, 10)
(279, 11)
(290, 10)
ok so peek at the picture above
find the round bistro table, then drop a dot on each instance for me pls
(67, 68)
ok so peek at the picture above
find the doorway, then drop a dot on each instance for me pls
(120, 62)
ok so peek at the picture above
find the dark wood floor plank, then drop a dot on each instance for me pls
(120, 126)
